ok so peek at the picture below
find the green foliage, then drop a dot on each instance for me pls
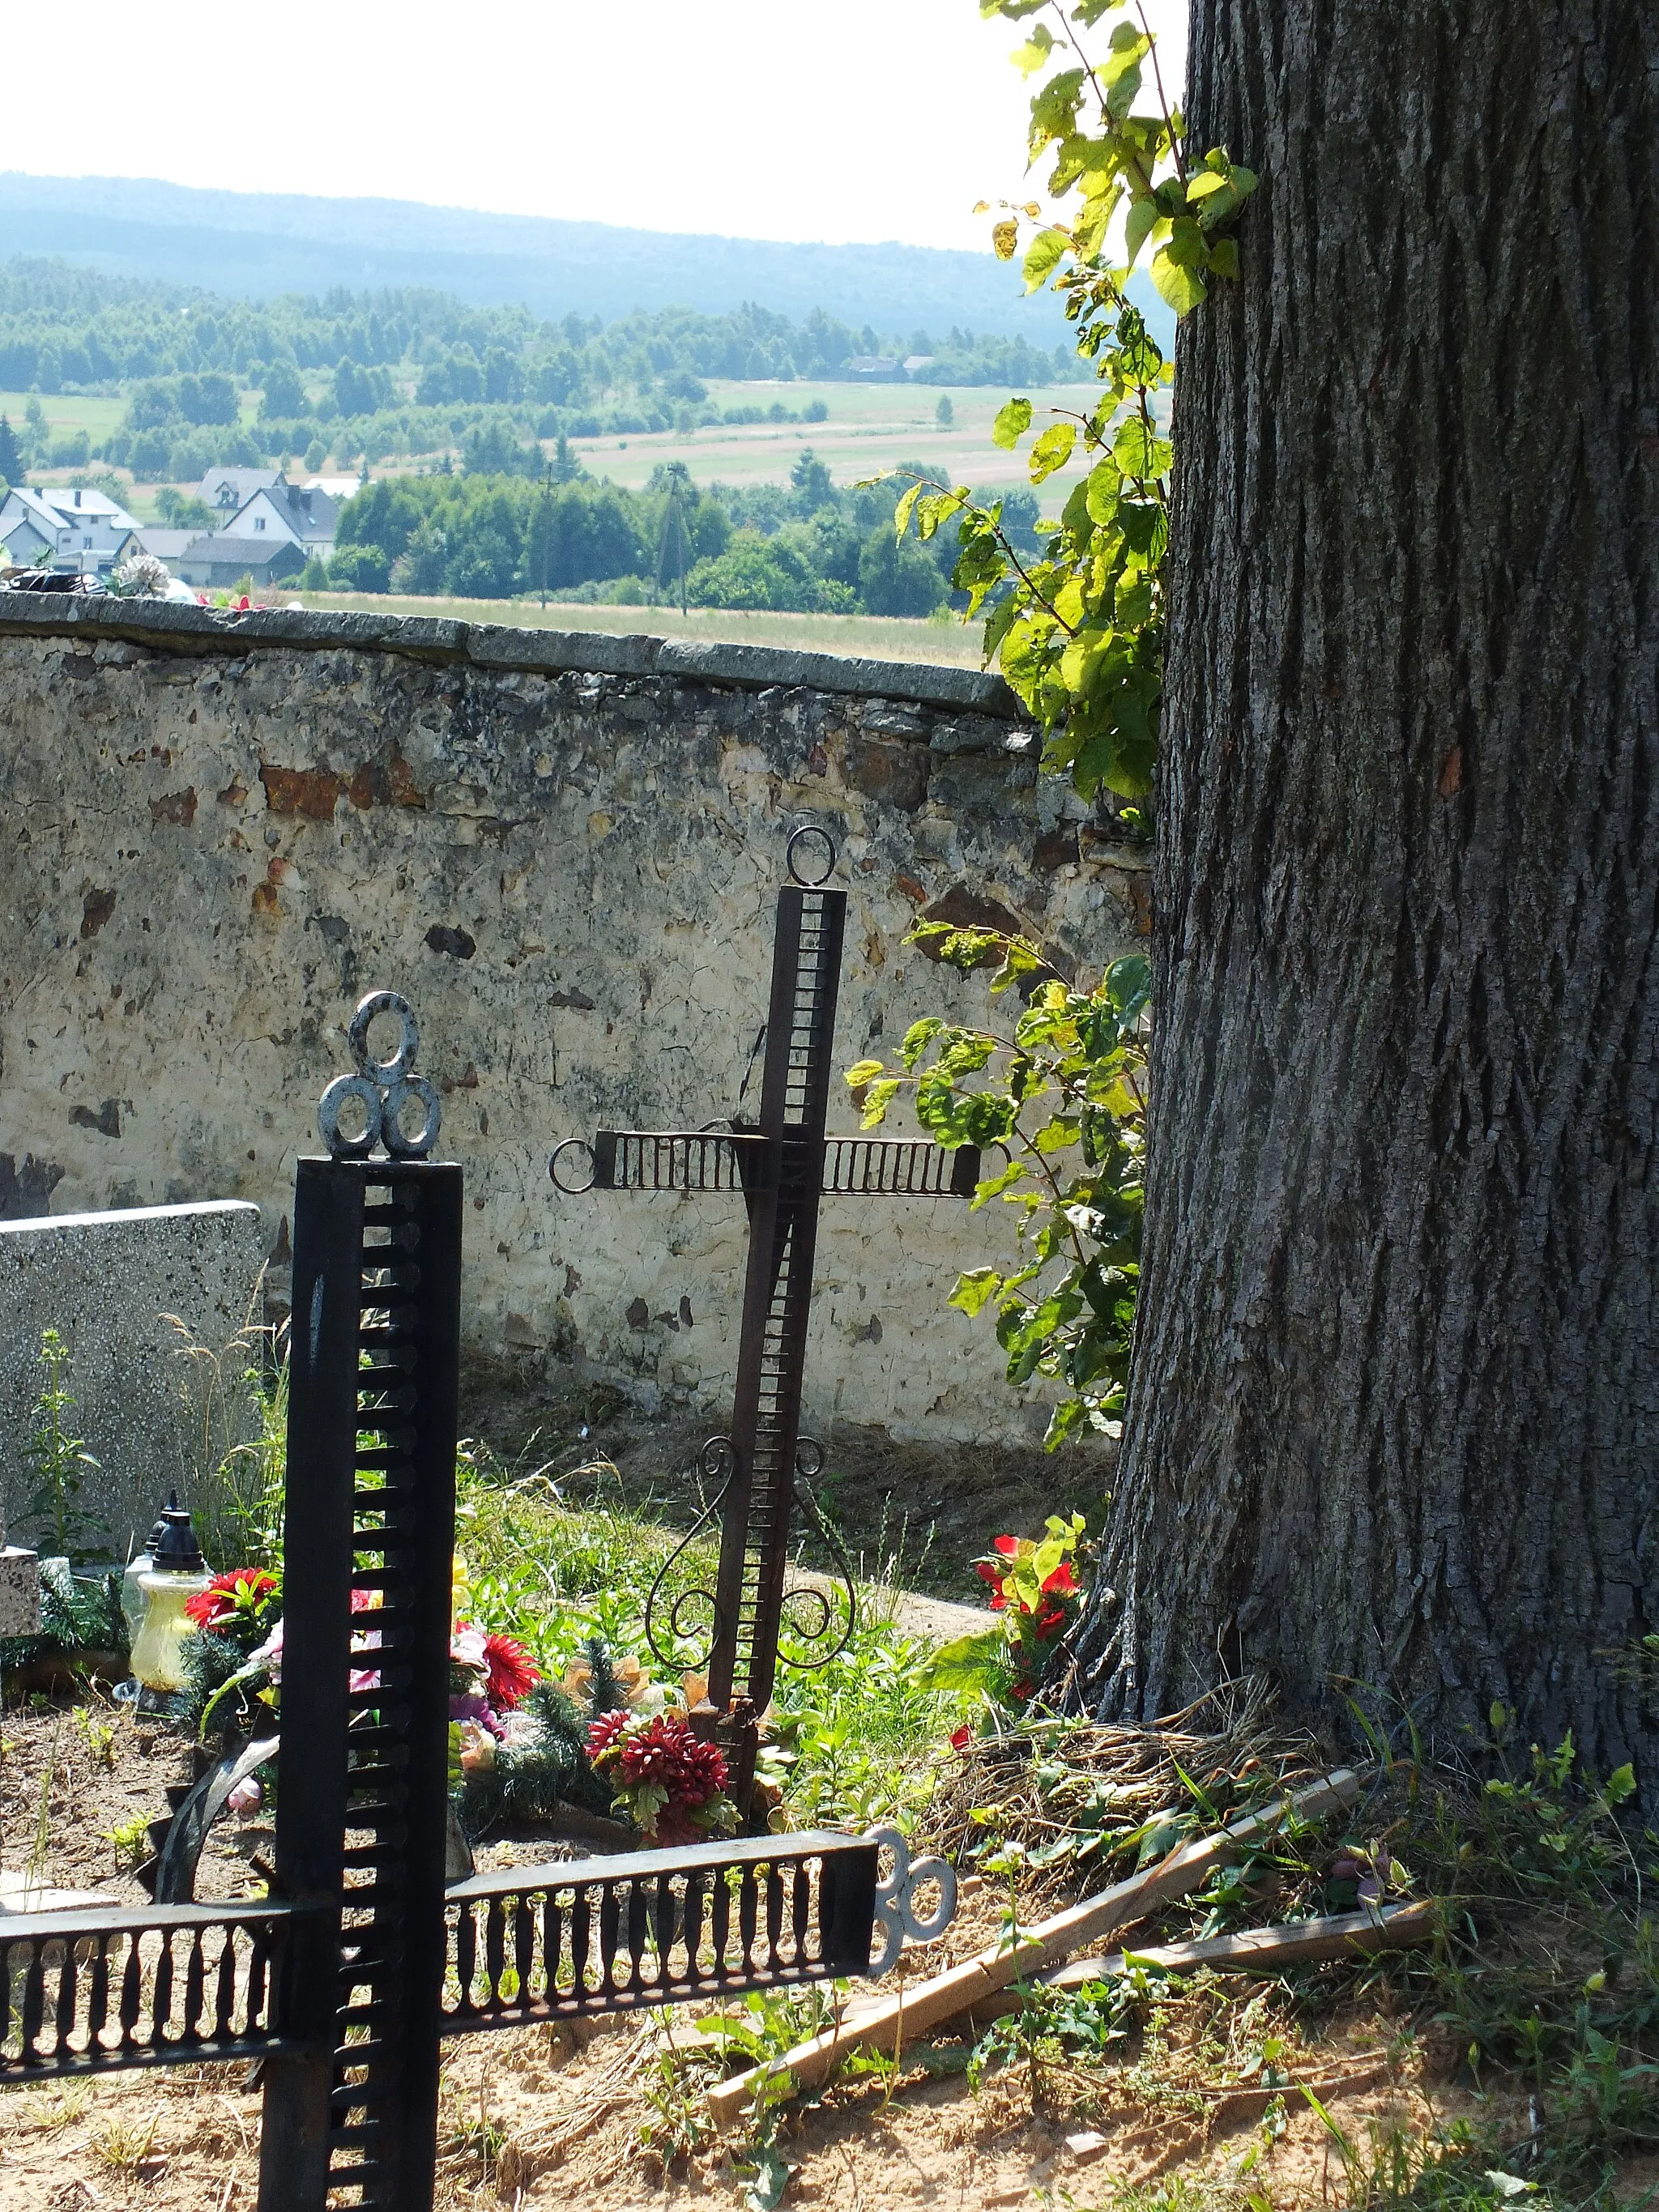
(58, 1459)
(1078, 631)
(1061, 1093)
(856, 1741)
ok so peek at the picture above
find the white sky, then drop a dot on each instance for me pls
(860, 119)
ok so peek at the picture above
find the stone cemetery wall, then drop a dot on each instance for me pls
(218, 832)
(152, 1401)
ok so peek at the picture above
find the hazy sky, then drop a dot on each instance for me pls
(844, 119)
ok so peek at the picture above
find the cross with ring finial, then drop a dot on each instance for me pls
(785, 1166)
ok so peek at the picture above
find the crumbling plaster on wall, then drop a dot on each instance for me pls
(216, 835)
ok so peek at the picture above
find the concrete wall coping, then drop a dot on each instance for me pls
(497, 645)
(119, 1216)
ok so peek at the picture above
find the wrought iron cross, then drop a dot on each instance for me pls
(785, 1166)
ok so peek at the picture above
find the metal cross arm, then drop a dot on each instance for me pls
(784, 1165)
(740, 1159)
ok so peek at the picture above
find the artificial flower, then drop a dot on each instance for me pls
(477, 1746)
(270, 1654)
(240, 1590)
(511, 1671)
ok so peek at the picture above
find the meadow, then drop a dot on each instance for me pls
(947, 643)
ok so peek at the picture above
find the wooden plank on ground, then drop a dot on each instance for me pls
(1249, 1950)
(913, 2011)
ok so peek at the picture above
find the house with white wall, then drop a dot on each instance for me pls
(78, 529)
(282, 512)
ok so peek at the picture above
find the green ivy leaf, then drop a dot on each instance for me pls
(1052, 450)
(1181, 285)
(975, 1290)
(1013, 420)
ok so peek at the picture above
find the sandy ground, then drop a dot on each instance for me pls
(610, 2117)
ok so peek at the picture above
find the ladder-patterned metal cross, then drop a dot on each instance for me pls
(784, 1165)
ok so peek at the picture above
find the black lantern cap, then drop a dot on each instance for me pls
(172, 1542)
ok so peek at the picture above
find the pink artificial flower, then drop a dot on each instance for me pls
(246, 1797)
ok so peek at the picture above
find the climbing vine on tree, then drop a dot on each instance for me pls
(1061, 1089)
(1079, 635)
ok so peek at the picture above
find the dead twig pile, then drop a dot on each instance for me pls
(1080, 1794)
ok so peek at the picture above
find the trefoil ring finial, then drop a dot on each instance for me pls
(382, 1089)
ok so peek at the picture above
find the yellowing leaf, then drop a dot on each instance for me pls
(1013, 420)
(1181, 286)
(1052, 450)
(1043, 255)
(1005, 237)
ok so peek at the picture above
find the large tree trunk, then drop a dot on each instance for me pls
(1395, 1400)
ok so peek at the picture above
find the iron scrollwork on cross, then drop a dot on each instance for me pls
(896, 1915)
(784, 1166)
(820, 1612)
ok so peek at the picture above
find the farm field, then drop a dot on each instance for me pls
(870, 428)
(66, 413)
(945, 644)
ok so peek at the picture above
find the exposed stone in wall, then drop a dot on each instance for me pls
(219, 831)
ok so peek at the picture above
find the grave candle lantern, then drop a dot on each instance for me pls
(167, 1587)
(132, 1596)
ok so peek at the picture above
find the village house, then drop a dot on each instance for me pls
(227, 490)
(221, 559)
(80, 531)
(282, 510)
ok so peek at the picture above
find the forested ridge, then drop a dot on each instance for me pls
(409, 373)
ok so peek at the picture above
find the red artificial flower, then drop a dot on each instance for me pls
(511, 1672)
(663, 1751)
(1008, 1546)
(243, 1588)
(989, 1571)
(1062, 1583)
(1049, 1622)
(962, 1737)
(603, 1734)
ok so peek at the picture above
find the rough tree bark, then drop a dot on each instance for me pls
(1396, 1399)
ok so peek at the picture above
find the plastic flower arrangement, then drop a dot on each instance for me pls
(1034, 1587)
(669, 1781)
(489, 1677)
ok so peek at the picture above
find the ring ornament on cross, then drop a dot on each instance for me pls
(381, 1089)
(897, 1919)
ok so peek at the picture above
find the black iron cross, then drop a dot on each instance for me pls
(784, 1165)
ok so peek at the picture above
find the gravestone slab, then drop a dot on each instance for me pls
(20, 1592)
(108, 1283)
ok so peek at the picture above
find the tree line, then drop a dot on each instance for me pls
(809, 547)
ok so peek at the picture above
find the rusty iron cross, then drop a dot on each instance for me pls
(784, 1165)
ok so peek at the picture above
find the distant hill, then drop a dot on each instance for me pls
(257, 246)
